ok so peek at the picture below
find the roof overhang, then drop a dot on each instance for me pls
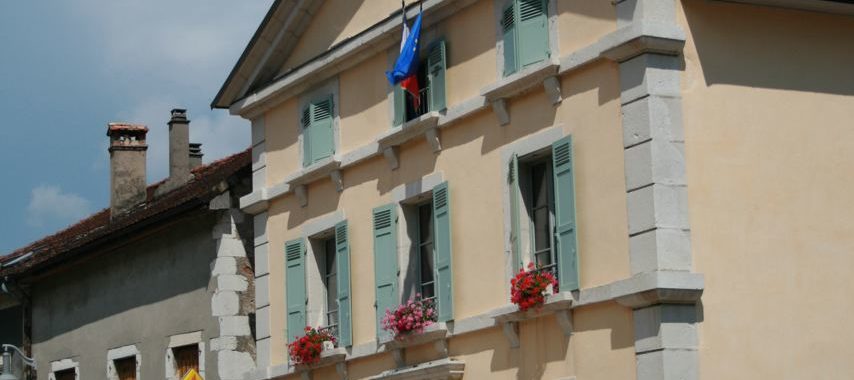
(845, 7)
(270, 46)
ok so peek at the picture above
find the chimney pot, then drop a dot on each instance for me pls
(195, 155)
(127, 166)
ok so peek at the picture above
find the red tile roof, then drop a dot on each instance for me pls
(202, 187)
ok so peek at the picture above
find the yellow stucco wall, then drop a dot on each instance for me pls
(768, 109)
(602, 346)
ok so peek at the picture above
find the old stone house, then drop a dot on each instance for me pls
(158, 283)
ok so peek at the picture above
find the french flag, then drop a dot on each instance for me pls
(405, 70)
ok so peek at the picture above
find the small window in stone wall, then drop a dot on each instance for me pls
(186, 358)
(67, 374)
(126, 368)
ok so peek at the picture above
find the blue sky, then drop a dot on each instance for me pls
(67, 68)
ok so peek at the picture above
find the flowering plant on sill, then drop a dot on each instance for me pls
(528, 288)
(412, 316)
(307, 348)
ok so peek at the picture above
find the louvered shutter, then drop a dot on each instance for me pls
(342, 249)
(385, 261)
(322, 136)
(442, 245)
(566, 238)
(533, 39)
(436, 68)
(295, 287)
(513, 188)
(508, 25)
(305, 121)
(399, 106)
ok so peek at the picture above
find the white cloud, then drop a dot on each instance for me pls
(50, 205)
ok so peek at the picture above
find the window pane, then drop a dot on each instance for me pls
(186, 358)
(426, 265)
(126, 368)
(331, 282)
(425, 223)
(541, 229)
(65, 375)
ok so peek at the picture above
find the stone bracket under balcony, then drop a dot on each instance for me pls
(328, 357)
(330, 167)
(559, 304)
(425, 125)
(436, 333)
(442, 369)
(544, 73)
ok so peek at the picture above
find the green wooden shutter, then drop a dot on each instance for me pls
(399, 106)
(436, 67)
(322, 134)
(566, 236)
(508, 25)
(295, 287)
(442, 246)
(385, 262)
(342, 248)
(305, 121)
(533, 31)
(515, 230)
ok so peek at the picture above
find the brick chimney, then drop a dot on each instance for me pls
(127, 166)
(195, 155)
(179, 148)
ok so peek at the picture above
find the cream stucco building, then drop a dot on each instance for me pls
(683, 166)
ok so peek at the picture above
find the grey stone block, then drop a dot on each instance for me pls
(655, 161)
(258, 130)
(235, 325)
(668, 365)
(262, 260)
(262, 291)
(224, 265)
(223, 343)
(653, 117)
(649, 75)
(260, 228)
(235, 283)
(657, 206)
(262, 322)
(229, 246)
(259, 178)
(225, 303)
(262, 353)
(231, 365)
(660, 249)
(665, 327)
(645, 11)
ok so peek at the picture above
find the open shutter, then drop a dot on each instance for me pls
(443, 259)
(399, 105)
(385, 261)
(533, 31)
(566, 236)
(322, 139)
(513, 187)
(342, 249)
(508, 25)
(305, 121)
(436, 67)
(295, 287)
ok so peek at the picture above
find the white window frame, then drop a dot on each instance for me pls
(554, 43)
(408, 197)
(181, 340)
(319, 93)
(314, 233)
(526, 146)
(63, 365)
(120, 353)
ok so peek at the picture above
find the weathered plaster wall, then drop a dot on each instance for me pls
(139, 294)
(768, 109)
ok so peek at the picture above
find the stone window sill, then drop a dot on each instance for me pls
(436, 333)
(425, 125)
(443, 369)
(328, 357)
(544, 73)
(558, 304)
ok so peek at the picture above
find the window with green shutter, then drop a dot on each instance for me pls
(342, 247)
(431, 80)
(442, 248)
(525, 28)
(295, 290)
(565, 235)
(385, 262)
(318, 131)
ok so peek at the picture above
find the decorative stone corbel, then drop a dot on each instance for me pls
(336, 178)
(305, 375)
(564, 319)
(301, 191)
(499, 106)
(341, 368)
(441, 347)
(391, 155)
(432, 136)
(552, 87)
(511, 331)
(399, 357)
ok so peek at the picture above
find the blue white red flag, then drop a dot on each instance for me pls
(405, 71)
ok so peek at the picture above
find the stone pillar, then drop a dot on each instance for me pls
(179, 147)
(231, 302)
(127, 166)
(656, 195)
